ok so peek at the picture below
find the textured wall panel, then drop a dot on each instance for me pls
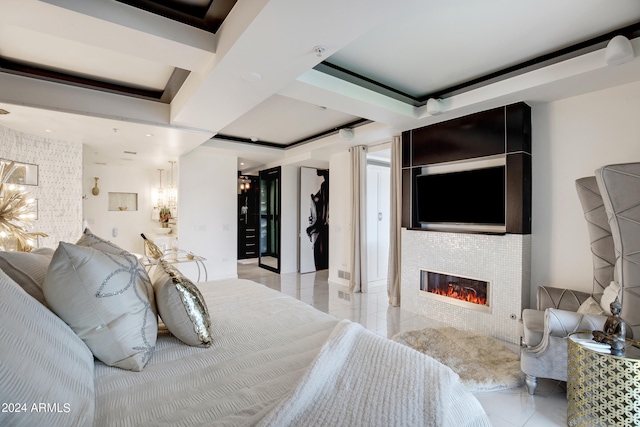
(502, 259)
(59, 190)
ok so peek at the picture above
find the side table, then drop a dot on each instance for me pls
(602, 390)
(180, 256)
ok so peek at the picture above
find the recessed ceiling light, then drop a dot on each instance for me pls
(241, 163)
(48, 130)
(2, 111)
(148, 134)
(319, 49)
(251, 77)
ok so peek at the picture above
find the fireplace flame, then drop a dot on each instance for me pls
(467, 294)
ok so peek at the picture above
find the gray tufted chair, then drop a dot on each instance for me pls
(620, 188)
(611, 205)
(601, 240)
(544, 330)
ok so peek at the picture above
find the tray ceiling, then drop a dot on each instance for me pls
(287, 74)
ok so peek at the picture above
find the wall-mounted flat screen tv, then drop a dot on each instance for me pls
(471, 200)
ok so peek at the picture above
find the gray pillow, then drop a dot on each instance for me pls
(41, 361)
(27, 269)
(181, 306)
(90, 240)
(107, 299)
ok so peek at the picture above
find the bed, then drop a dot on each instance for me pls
(273, 361)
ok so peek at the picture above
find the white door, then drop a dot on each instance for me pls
(378, 208)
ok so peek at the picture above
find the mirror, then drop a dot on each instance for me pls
(24, 173)
(270, 219)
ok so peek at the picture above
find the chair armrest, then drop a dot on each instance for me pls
(564, 299)
(560, 323)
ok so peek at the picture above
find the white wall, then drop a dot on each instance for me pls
(289, 219)
(339, 215)
(572, 138)
(128, 224)
(207, 203)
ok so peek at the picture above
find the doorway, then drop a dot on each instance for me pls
(314, 220)
(378, 217)
(269, 256)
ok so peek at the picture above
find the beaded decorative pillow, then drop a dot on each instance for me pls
(181, 305)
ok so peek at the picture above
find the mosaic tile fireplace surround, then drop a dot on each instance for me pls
(502, 261)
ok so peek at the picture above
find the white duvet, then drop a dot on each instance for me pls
(276, 361)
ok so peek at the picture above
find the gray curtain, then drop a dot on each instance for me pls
(358, 262)
(395, 218)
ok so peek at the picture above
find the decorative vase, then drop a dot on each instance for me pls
(152, 249)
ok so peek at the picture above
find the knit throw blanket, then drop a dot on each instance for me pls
(362, 379)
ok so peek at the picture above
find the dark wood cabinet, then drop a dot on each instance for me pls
(249, 220)
(502, 132)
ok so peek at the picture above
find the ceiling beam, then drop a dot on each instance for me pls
(273, 43)
(118, 27)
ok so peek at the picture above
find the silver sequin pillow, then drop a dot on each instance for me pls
(107, 299)
(181, 306)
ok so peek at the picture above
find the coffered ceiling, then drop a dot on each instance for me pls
(273, 81)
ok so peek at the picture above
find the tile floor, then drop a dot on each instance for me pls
(513, 407)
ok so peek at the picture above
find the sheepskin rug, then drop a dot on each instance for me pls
(483, 363)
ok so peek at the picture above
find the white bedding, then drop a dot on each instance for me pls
(276, 361)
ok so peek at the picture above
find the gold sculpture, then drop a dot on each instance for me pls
(16, 210)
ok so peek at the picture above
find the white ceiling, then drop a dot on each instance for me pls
(255, 77)
(441, 44)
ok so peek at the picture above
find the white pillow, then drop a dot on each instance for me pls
(591, 306)
(608, 296)
(41, 361)
(27, 269)
(181, 306)
(107, 299)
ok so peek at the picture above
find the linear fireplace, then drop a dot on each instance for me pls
(503, 260)
(467, 292)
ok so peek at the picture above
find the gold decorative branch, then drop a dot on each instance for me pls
(16, 210)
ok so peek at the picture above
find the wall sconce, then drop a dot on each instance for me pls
(95, 190)
(172, 191)
(157, 196)
(244, 184)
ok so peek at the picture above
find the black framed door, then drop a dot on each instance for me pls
(270, 219)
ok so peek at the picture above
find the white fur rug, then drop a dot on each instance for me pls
(483, 363)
